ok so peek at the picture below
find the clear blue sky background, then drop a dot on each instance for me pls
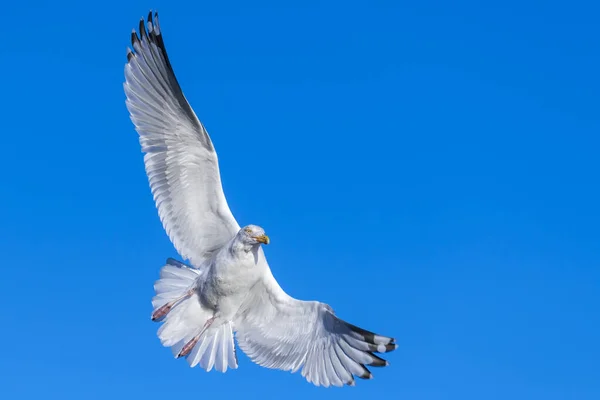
(429, 170)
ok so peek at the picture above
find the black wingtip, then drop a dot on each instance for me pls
(378, 361)
(366, 373)
(142, 28)
(370, 337)
(391, 347)
(156, 24)
(153, 23)
(134, 37)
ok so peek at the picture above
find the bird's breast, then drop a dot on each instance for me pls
(228, 281)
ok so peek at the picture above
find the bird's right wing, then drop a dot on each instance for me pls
(181, 162)
(277, 331)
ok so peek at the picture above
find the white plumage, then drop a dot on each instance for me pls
(230, 287)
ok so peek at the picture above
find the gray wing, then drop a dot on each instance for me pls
(181, 162)
(277, 331)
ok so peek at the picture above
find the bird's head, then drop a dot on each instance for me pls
(253, 235)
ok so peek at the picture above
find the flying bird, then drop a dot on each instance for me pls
(228, 286)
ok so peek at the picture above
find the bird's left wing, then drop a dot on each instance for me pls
(277, 331)
(181, 162)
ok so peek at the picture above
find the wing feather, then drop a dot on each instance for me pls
(180, 159)
(277, 331)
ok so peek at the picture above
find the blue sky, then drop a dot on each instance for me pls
(429, 170)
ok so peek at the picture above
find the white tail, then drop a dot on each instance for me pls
(184, 317)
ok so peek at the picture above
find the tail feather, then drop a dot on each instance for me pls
(215, 351)
(207, 361)
(175, 280)
(187, 317)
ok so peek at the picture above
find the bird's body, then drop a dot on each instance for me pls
(229, 287)
(230, 274)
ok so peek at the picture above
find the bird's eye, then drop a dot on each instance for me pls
(248, 230)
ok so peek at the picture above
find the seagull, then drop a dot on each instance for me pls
(226, 287)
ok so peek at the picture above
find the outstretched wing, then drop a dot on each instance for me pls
(181, 162)
(278, 331)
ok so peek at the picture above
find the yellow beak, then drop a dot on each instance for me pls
(264, 239)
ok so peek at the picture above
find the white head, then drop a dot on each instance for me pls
(253, 235)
